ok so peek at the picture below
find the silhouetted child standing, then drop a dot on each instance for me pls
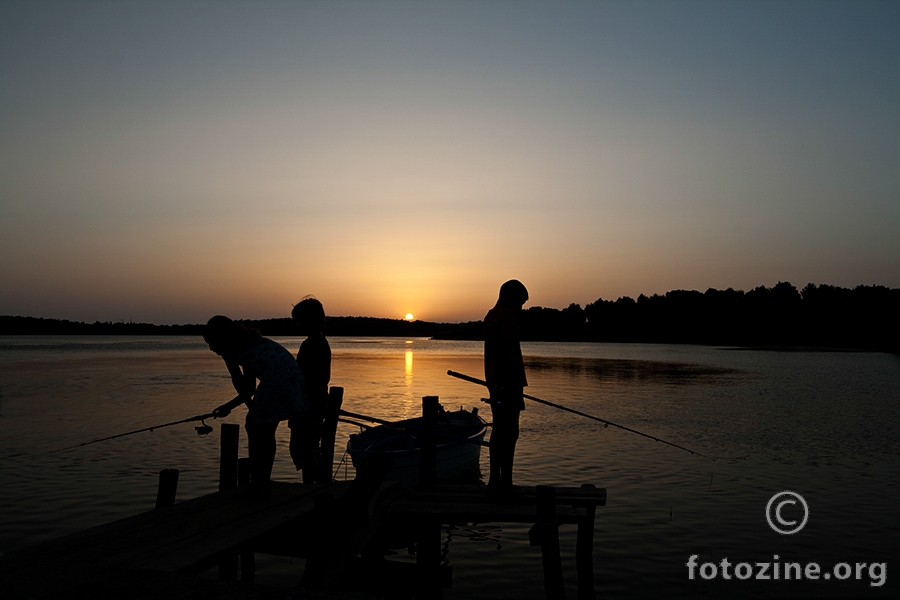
(280, 394)
(504, 372)
(314, 359)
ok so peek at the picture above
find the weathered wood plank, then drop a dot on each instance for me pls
(230, 527)
(121, 540)
(450, 511)
(521, 494)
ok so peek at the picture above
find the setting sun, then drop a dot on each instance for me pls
(409, 317)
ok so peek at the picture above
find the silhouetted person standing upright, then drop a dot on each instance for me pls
(314, 360)
(504, 372)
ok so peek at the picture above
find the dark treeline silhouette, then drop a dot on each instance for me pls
(336, 326)
(37, 326)
(866, 317)
(823, 316)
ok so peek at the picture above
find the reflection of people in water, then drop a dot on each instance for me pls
(504, 372)
(279, 396)
(314, 360)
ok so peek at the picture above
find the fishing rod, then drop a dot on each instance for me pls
(392, 425)
(388, 424)
(203, 429)
(347, 413)
(357, 423)
(578, 412)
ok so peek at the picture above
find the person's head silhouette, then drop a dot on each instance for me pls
(225, 336)
(513, 294)
(309, 315)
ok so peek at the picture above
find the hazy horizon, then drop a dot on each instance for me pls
(164, 162)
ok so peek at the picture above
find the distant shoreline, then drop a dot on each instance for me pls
(364, 327)
(819, 317)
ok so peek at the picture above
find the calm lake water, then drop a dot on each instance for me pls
(824, 425)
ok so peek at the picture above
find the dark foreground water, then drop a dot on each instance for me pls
(823, 425)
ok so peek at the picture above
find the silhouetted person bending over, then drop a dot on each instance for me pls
(314, 360)
(504, 372)
(279, 396)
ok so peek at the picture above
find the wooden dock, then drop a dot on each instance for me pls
(328, 524)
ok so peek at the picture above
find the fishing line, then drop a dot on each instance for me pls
(578, 412)
(336, 471)
(202, 431)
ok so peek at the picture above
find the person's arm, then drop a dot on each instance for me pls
(244, 384)
(223, 411)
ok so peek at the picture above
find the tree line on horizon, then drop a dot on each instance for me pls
(825, 316)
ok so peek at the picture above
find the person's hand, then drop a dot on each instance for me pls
(222, 412)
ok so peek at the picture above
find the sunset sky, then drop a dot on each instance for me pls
(167, 161)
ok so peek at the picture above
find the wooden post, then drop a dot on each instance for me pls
(243, 472)
(228, 457)
(428, 441)
(248, 567)
(584, 551)
(545, 533)
(168, 485)
(428, 535)
(329, 430)
(247, 557)
(428, 559)
(228, 480)
(228, 567)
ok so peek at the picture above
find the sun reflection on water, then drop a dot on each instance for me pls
(409, 363)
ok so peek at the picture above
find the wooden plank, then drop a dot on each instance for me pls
(229, 528)
(245, 532)
(573, 493)
(454, 512)
(120, 539)
(81, 542)
(520, 495)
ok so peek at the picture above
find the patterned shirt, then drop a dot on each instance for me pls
(281, 393)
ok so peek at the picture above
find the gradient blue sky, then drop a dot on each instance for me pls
(167, 161)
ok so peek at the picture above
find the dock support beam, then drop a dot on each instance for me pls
(228, 457)
(168, 485)
(428, 560)
(584, 551)
(228, 480)
(428, 531)
(545, 533)
(248, 567)
(243, 472)
(248, 558)
(428, 441)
